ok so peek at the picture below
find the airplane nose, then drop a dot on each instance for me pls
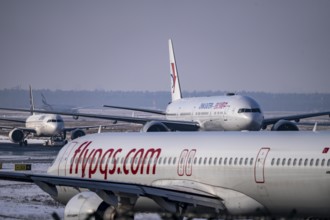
(56, 127)
(253, 122)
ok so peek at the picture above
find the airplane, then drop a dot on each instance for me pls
(192, 174)
(228, 113)
(42, 125)
(231, 112)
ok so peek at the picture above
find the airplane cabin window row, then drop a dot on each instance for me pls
(212, 161)
(300, 162)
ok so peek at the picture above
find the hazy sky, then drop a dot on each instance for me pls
(271, 46)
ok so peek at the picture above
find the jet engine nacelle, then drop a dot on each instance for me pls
(284, 125)
(87, 205)
(16, 135)
(154, 126)
(77, 133)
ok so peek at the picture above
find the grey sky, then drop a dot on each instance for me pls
(272, 46)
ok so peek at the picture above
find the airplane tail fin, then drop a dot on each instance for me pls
(45, 103)
(31, 101)
(175, 83)
(43, 99)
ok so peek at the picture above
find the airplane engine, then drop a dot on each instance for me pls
(88, 205)
(77, 133)
(154, 126)
(16, 135)
(284, 125)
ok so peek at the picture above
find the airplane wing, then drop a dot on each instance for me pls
(24, 129)
(12, 120)
(83, 127)
(171, 124)
(105, 189)
(296, 118)
(137, 109)
(20, 128)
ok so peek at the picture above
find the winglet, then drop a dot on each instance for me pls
(31, 101)
(315, 127)
(175, 83)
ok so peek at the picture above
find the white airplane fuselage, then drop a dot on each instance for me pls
(218, 113)
(45, 125)
(274, 173)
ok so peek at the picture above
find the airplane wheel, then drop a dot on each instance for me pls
(25, 143)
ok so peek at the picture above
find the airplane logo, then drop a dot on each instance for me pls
(173, 77)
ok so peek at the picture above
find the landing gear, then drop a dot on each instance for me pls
(23, 143)
(58, 139)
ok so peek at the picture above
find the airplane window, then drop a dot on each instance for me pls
(289, 162)
(300, 161)
(164, 160)
(174, 160)
(273, 160)
(210, 160)
(230, 160)
(278, 161)
(306, 162)
(181, 161)
(200, 160)
(317, 162)
(170, 160)
(220, 160)
(246, 161)
(241, 161)
(160, 160)
(122, 160)
(251, 161)
(235, 162)
(328, 164)
(225, 161)
(311, 162)
(283, 162)
(195, 160)
(294, 161)
(241, 110)
(323, 162)
(215, 161)
(205, 159)
(189, 160)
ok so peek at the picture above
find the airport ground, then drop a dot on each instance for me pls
(27, 201)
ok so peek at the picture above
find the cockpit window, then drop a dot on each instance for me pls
(256, 110)
(54, 120)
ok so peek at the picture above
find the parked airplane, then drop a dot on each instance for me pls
(210, 174)
(42, 125)
(230, 112)
(225, 113)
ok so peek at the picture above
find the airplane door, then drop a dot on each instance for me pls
(259, 169)
(63, 162)
(189, 162)
(225, 113)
